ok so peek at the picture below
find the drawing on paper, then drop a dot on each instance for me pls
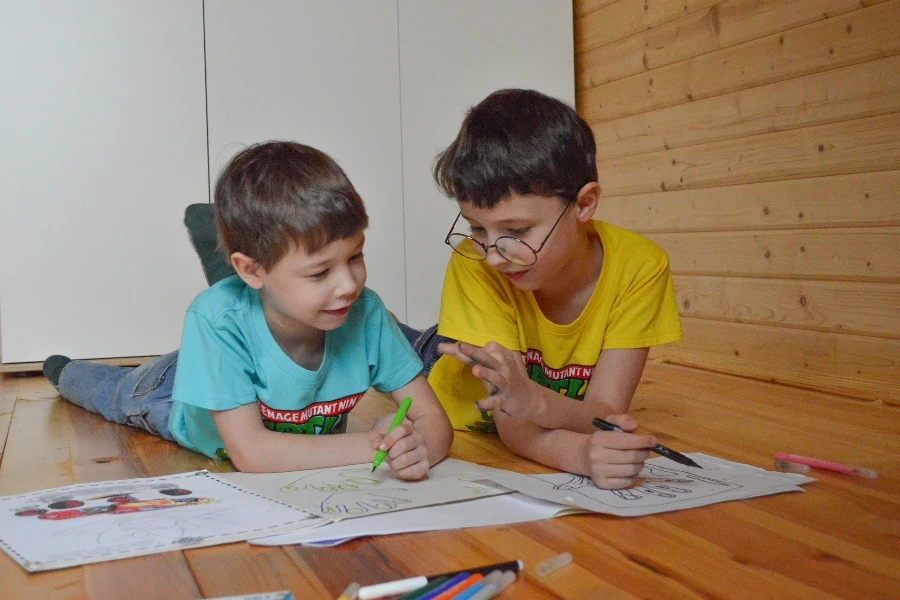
(86, 523)
(354, 491)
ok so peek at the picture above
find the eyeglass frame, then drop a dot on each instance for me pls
(487, 248)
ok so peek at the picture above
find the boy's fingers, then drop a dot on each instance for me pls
(624, 441)
(623, 421)
(629, 457)
(399, 432)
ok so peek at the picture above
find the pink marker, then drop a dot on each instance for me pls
(824, 464)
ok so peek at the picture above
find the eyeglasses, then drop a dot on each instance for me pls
(510, 248)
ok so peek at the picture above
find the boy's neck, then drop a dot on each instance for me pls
(563, 304)
(303, 344)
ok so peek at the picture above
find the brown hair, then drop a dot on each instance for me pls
(518, 141)
(275, 196)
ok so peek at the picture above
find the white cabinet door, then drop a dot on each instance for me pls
(453, 53)
(102, 145)
(324, 74)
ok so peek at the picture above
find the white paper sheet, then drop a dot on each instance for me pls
(108, 520)
(664, 486)
(495, 510)
(354, 491)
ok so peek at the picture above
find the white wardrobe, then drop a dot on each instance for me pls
(116, 115)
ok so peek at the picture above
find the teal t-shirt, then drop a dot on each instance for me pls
(229, 358)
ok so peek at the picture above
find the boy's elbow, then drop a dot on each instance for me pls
(246, 463)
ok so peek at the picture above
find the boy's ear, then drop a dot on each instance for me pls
(247, 269)
(586, 201)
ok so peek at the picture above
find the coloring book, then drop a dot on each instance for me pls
(93, 522)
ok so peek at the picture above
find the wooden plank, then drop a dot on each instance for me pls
(858, 146)
(864, 90)
(863, 199)
(627, 17)
(870, 254)
(860, 367)
(855, 37)
(583, 7)
(719, 26)
(234, 569)
(854, 307)
(140, 577)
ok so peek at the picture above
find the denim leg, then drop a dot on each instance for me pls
(136, 396)
(426, 345)
(411, 334)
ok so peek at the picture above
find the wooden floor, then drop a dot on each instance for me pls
(840, 539)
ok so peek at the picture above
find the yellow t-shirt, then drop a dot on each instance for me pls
(632, 306)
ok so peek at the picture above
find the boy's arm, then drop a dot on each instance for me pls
(512, 393)
(429, 428)
(254, 449)
(612, 459)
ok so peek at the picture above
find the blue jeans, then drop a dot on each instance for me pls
(136, 396)
(425, 344)
(142, 396)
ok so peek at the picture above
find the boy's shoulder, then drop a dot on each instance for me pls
(225, 296)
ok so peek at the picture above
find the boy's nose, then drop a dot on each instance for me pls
(494, 258)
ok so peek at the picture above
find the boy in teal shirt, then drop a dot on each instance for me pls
(289, 345)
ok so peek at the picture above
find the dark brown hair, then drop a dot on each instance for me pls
(275, 196)
(518, 141)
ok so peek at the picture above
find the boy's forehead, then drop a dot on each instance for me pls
(514, 207)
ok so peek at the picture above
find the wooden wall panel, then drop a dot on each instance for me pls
(617, 20)
(863, 90)
(758, 142)
(865, 254)
(864, 199)
(832, 306)
(858, 36)
(857, 146)
(721, 25)
(861, 367)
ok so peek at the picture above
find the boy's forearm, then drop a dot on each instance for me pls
(438, 434)
(273, 452)
(558, 448)
(551, 410)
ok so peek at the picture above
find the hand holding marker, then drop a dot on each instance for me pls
(398, 418)
(659, 448)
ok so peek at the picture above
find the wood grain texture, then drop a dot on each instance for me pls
(857, 146)
(862, 199)
(861, 308)
(718, 26)
(856, 37)
(854, 92)
(837, 540)
(627, 17)
(867, 368)
(858, 254)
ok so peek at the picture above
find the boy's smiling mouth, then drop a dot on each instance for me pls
(339, 312)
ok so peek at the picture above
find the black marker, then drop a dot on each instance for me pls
(659, 448)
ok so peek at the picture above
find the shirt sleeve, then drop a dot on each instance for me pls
(475, 306)
(392, 361)
(645, 314)
(215, 371)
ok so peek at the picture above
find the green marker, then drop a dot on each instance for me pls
(398, 418)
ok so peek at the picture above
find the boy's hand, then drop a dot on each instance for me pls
(406, 452)
(615, 459)
(501, 370)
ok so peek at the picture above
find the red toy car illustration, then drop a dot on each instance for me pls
(117, 504)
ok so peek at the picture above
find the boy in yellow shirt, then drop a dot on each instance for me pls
(554, 312)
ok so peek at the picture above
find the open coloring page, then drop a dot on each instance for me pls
(339, 493)
(663, 486)
(94, 522)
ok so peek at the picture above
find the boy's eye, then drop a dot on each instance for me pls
(357, 256)
(319, 275)
(519, 232)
